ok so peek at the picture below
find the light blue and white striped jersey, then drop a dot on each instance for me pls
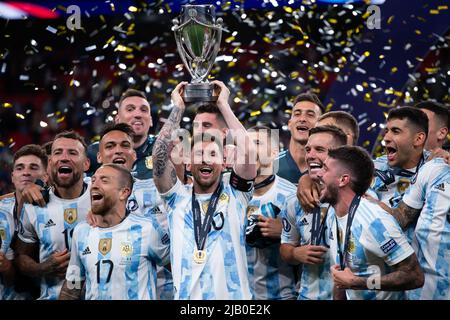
(431, 241)
(118, 263)
(6, 235)
(8, 204)
(316, 282)
(224, 275)
(376, 244)
(52, 226)
(270, 277)
(391, 193)
(145, 201)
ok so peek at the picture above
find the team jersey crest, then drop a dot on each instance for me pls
(104, 246)
(70, 215)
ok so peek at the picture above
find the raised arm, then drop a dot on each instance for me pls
(164, 173)
(245, 165)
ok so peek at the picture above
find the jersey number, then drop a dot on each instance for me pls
(111, 267)
(68, 233)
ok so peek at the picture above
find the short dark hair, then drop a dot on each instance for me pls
(32, 150)
(339, 137)
(414, 115)
(122, 126)
(346, 119)
(311, 97)
(131, 93)
(441, 112)
(126, 179)
(47, 147)
(71, 135)
(207, 137)
(270, 135)
(209, 107)
(359, 163)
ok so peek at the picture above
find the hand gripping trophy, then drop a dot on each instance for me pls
(198, 34)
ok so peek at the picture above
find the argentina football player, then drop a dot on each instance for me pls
(207, 220)
(29, 164)
(116, 146)
(50, 228)
(427, 200)
(270, 277)
(307, 189)
(304, 238)
(117, 259)
(133, 109)
(372, 258)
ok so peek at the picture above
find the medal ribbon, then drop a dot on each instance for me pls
(351, 214)
(201, 229)
(318, 226)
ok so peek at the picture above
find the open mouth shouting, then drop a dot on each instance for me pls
(206, 172)
(314, 166)
(65, 171)
(391, 153)
(302, 128)
(96, 197)
(119, 160)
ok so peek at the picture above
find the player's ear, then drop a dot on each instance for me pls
(344, 180)
(124, 194)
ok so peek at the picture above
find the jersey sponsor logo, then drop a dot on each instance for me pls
(165, 239)
(286, 225)
(383, 188)
(303, 222)
(389, 246)
(104, 246)
(49, 224)
(156, 210)
(149, 162)
(86, 251)
(70, 215)
(440, 187)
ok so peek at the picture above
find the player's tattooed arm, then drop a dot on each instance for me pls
(164, 173)
(71, 294)
(404, 214)
(407, 275)
(55, 265)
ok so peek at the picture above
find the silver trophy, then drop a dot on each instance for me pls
(198, 34)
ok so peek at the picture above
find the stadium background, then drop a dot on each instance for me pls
(53, 78)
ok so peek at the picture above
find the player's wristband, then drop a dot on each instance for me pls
(241, 184)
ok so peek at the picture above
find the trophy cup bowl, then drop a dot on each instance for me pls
(198, 34)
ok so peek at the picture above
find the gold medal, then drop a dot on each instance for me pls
(199, 256)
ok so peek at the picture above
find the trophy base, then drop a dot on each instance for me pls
(199, 92)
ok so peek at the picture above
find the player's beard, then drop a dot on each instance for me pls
(331, 194)
(205, 184)
(76, 176)
(102, 209)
